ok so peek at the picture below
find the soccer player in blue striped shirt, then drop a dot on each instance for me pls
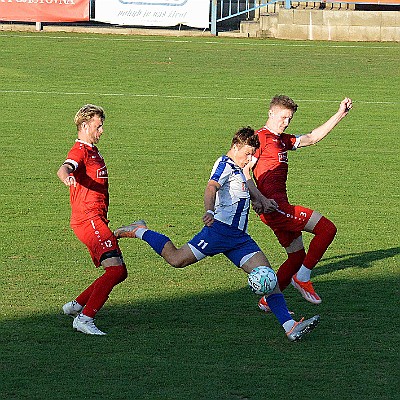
(227, 204)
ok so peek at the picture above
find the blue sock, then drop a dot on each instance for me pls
(156, 240)
(277, 304)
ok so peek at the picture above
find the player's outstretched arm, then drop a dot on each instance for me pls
(209, 201)
(319, 133)
(63, 174)
(259, 202)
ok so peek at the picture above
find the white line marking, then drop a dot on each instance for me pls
(166, 96)
(216, 42)
(172, 96)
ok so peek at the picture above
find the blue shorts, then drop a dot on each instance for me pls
(220, 238)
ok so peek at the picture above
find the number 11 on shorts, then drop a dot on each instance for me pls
(202, 244)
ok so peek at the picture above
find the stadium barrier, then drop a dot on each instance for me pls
(223, 10)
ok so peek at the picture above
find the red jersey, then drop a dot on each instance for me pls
(271, 169)
(90, 197)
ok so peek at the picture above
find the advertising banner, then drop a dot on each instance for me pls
(44, 10)
(194, 13)
(377, 2)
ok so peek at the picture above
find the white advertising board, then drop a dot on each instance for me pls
(193, 13)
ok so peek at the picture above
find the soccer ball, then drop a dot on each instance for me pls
(262, 280)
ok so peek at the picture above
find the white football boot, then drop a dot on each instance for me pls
(130, 230)
(85, 324)
(302, 327)
(72, 308)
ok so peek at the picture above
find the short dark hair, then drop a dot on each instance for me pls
(245, 136)
(283, 101)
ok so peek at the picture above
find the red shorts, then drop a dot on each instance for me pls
(288, 222)
(97, 237)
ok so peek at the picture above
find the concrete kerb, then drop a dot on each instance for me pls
(106, 30)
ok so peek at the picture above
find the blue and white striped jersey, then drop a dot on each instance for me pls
(233, 198)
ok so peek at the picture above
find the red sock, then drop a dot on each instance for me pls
(101, 288)
(324, 232)
(290, 268)
(83, 298)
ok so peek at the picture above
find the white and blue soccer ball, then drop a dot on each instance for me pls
(262, 280)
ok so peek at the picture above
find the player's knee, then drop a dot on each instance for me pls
(178, 258)
(334, 229)
(325, 227)
(330, 228)
(117, 274)
(122, 274)
(176, 263)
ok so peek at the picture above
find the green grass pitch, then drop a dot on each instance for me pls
(172, 107)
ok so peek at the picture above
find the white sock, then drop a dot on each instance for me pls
(140, 232)
(303, 274)
(288, 325)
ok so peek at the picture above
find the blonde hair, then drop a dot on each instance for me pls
(87, 112)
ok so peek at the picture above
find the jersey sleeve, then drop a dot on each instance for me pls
(291, 141)
(258, 151)
(220, 172)
(75, 157)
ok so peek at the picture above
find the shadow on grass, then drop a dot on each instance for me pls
(206, 346)
(356, 260)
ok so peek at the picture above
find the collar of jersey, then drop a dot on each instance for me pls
(81, 141)
(233, 164)
(270, 130)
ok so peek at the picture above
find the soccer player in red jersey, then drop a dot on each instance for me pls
(85, 173)
(288, 221)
